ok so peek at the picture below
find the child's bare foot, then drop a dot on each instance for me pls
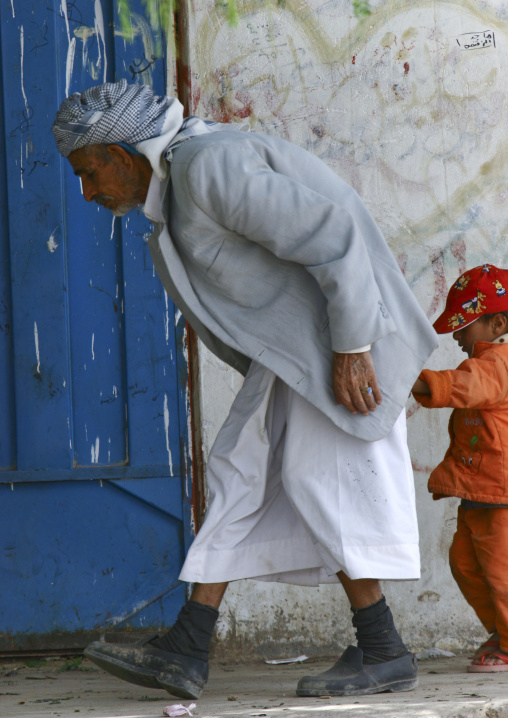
(490, 663)
(488, 658)
(490, 646)
(499, 658)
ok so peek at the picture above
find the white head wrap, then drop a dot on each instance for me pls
(117, 112)
(113, 112)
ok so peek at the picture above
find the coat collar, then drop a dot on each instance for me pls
(481, 347)
(152, 207)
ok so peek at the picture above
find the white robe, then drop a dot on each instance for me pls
(293, 498)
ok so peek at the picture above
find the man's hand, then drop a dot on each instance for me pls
(352, 376)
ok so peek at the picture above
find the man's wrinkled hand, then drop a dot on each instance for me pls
(352, 377)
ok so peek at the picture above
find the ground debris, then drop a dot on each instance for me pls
(75, 665)
(149, 698)
(36, 663)
(278, 661)
(429, 653)
(177, 709)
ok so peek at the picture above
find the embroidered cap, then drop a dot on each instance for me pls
(482, 290)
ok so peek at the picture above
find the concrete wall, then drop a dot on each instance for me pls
(410, 108)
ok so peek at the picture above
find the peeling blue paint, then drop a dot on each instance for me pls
(94, 442)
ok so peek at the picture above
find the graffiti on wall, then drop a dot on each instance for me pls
(407, 103)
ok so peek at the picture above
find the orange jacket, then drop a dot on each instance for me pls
(475, 466)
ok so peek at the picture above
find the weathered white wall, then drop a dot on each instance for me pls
(413, 118)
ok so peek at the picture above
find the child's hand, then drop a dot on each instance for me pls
(420, 387)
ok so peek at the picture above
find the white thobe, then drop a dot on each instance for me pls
(293, 498)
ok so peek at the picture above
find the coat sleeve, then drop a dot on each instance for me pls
(476, 384)
(238, 190)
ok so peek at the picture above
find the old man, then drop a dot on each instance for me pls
(283, 274)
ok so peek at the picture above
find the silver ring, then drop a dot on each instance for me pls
(367, 390)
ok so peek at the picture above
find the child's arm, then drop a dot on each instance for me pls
(420, 387)
(476, 384)
(433, 389)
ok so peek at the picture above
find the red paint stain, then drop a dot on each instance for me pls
(354, 60)
(194, 91)
(224, 106)
(195, 97)
(402, 262)
(458, 249)
(411, 411)
(185, 74)
(423, 469)
(245, 110)
(318, 131)
(406, 68)
(222, 110)
(440, 288)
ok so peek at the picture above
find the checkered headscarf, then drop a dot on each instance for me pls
(114, 112)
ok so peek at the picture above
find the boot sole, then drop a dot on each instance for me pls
(125, 671)
(179, 686)
(176, 685)
(395, 687)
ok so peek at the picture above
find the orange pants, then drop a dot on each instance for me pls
(479, 564)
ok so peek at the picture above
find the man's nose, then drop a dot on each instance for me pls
(87, 189)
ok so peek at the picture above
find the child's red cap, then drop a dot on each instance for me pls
(482, 290)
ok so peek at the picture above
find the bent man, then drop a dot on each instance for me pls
(283, 274)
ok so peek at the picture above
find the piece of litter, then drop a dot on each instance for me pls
(177, 709)
(298, 659)
(434, 653)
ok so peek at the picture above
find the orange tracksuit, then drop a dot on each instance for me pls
(475, 467)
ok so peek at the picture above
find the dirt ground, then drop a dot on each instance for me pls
(75, 687)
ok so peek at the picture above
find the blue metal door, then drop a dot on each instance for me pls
(94, 447)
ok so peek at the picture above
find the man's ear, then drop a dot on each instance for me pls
(119, 154)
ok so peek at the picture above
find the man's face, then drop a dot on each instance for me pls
(109, 177)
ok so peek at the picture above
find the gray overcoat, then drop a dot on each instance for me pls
(271, 257)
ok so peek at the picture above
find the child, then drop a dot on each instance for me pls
(475, 467)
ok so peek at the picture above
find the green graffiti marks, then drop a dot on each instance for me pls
(159, 15)
(361, 8)
(158, 12)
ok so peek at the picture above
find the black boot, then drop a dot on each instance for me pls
(176, 661)
(376, 634)
(379, 663)
(192, 632)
